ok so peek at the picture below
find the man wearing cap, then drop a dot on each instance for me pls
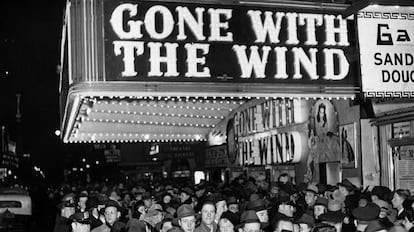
(249, 222)
(186, 218)
(208, 213)
(365, 215)
(92, 208)
(185, 196)
(80, 222)
(311, 195)
(82, 198)
(350, 191)
(112, 212)
(67, 209)
(320, 207)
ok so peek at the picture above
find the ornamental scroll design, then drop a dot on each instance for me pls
(385, 15)
(388, 94)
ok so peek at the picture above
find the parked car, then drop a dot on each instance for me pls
(15, 209)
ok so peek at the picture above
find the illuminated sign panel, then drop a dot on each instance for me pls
(166, 41)
(265, 133)
(386, 37)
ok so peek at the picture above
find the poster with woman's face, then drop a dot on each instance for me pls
(323, 118)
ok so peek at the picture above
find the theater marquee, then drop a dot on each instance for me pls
(161, 41)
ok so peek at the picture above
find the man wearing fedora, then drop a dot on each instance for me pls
(249, 222)
(260, 207)
(208, 213)
(112, 212)
(186, 194)
(80, 222)
(311, 195)
(334, 216)
(186, 218)
(365, 215)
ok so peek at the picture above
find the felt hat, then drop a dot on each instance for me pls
(185, 211)
(321, 201)
(232, 200)
(81, 218)
(248, 216)
(66, 204)
(187, 190)
(306, 219)
(312, 188)
(347, 184)
(112, 203)
(368, 213)
(257, 205)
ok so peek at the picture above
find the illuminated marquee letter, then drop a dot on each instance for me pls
(170, 59)
(216, 25)
(268, 27)
(167, 22)
(193, 60)
(331, 30)
(254, 62)
(117, 22)
(292, 37)
(280, 63)
(329, 64)
(309, 63)
(310, 20)
(129, 57)
(196, 26)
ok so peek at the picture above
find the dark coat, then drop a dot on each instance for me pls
(62, 224)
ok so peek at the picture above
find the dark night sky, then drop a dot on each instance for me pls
(30, 33)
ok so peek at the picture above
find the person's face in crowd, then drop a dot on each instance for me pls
(141, 209)
(407, 224)
(67, 211)
(304, 227)
(287, 210)
(251, 227)
(383, 213)
(166, 226)
(318, 210)
(208, 213)
(158, 218)
(166, 199)
(343, 190)
(127, 198)
(187, 223)
(284, 179)
(263, 216)
(114, 196)
(200, 192)
(221, 206)
(184, 196)
(79, 227)
(233, 208)
(310, 198)
(82, 202)
(225, 225)
(397, 201)
(361, 226)
(111, 215)
(274, 191)
(284, 226)
(148, 203)
(194, 201)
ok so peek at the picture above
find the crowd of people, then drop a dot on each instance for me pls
(244, 205)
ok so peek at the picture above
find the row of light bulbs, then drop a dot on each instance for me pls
(202, 125)
(138, 140)
(166, 106)
(158, 114)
